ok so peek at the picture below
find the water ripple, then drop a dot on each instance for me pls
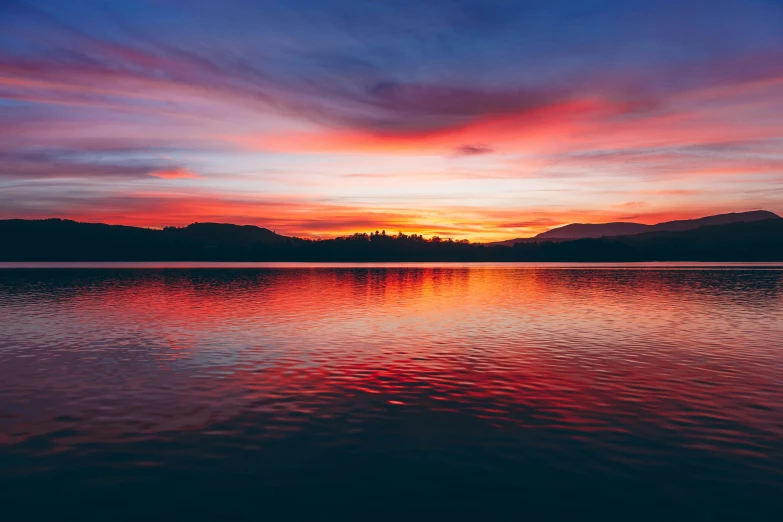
(666, 385)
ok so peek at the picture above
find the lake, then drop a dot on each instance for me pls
(373, 391)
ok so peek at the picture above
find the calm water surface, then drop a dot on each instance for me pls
(375, 391)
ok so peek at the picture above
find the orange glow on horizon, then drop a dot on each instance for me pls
(328, 221)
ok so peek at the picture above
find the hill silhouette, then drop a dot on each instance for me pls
(64, 240)
(585, 231)
(224, 234)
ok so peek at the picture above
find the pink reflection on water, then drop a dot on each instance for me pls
(690, 358)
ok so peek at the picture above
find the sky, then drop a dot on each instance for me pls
(483, 120)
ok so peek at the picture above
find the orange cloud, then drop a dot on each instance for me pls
(580, 123)
(526, 126)
(175, 173)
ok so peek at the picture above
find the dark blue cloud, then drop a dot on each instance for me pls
(402, 65)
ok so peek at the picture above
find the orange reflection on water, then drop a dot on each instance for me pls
(659, 384)
(578, 349)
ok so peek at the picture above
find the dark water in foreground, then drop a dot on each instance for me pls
(457, 391)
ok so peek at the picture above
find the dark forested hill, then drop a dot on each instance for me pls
(60, 239)
(584, 231)
(63, 240)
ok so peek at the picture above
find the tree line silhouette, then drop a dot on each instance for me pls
(63, 240)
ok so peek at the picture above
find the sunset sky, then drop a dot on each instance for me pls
(477, 119)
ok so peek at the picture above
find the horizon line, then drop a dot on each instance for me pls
(305, 238)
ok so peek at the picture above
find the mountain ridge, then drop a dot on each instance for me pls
(622, 228)
(64, 240)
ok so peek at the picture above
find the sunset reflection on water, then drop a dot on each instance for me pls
(658, 386)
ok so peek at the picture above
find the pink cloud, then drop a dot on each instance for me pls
(174, 173)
